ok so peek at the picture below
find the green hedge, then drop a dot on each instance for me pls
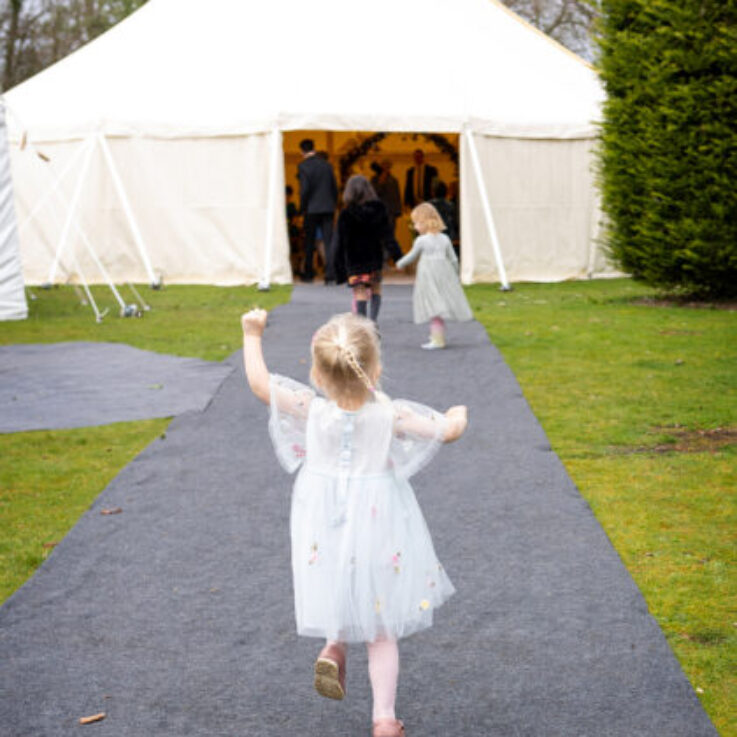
(668, 156)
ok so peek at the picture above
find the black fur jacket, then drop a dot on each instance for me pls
(358, 247)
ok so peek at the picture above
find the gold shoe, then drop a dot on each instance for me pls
(388, 728)
(330, 672)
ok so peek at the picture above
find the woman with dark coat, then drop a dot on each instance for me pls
(363, 229)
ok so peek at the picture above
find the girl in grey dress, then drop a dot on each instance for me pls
(438, 295)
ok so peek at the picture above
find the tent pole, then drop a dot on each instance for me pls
(487, 208)
(70, 213)
(265, 282)
(90, 250)
(102, 269)
(57, 183)
(594, 229)
(137, 237)
(98, 315)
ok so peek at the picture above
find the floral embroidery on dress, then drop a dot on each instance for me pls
(424, 605)
(395, 560)
(298, 450)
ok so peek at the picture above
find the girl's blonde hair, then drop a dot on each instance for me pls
(345, 355)
(429, 216)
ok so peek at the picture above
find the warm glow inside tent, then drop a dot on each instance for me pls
(171, 137)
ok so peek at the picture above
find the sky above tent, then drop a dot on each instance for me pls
(219, 67)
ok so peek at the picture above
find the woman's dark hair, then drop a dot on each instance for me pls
(358, 190)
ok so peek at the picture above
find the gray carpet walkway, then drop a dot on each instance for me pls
(175, 617)
(78, 384)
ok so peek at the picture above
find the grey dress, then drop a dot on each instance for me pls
(438, 291)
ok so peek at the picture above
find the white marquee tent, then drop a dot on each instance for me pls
(165, 134)
(12, 293)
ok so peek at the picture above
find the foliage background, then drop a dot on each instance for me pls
(668, 159)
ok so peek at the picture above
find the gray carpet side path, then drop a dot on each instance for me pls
(66, 385)
(175, 617)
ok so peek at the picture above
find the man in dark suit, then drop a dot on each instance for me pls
(418, 185)
(318, 195)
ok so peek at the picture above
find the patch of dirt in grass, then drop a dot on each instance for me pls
(730, 304)
(685, 440)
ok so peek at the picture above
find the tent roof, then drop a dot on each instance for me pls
(219, 67)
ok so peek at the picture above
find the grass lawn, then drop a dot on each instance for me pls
(47, 479)
(639, 401)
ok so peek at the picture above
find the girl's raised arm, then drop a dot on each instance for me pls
(253, 324)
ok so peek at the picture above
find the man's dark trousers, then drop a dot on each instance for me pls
(313, 221)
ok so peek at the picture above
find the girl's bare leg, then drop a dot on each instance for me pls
(383, 664)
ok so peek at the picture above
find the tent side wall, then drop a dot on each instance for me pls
(199, 203)
(544, 203)
(13, 305)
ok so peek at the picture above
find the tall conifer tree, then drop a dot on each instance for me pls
(668, 158)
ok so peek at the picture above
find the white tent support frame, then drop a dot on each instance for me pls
(42, 200)
(56, 189)
(137, 237)
(64, 237)
(98, 315)
(484, 197)
(271, 197)
(87, 149)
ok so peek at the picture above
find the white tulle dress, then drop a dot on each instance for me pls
(363, 561)
(438, 291)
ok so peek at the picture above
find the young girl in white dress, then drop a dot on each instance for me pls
(363, 562)
(438, 295)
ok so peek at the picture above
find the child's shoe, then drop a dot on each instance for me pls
(434, 344)
(388, 728)
(330, 672)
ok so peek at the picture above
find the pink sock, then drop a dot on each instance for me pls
(437, 327)
(383, 663)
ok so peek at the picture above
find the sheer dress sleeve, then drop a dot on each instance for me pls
(417, 436)
(290, 405)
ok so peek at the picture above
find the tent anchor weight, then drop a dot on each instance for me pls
(131, 310)
(144, 306)
(505, 288)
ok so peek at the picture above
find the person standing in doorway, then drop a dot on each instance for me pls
(386, 187)
(418, 185)
(318, 195)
